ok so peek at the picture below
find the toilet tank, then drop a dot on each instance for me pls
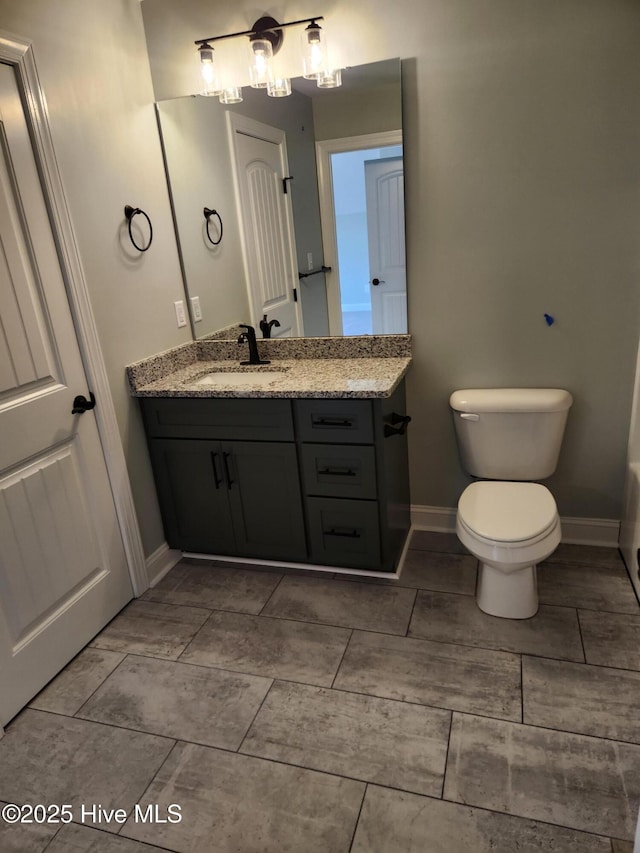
(510, 433)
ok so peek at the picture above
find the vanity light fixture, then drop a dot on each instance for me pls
(265, 38)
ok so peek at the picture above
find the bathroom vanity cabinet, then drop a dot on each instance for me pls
(320, 481)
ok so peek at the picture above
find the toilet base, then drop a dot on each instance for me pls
(511, 594)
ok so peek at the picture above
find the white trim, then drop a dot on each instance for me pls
(575, 531)
(161, 562)
(438, 519)
(324, 149)
(19, 54)
(590, 531)
(310, 567)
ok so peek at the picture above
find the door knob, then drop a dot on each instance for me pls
(81, 404)
(377, 281)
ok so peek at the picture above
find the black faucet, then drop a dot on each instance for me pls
(265, 327)
(250, 337)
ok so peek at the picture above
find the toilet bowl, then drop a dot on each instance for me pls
(509, 527)
(511, 438)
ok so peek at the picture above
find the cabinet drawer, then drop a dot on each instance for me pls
(250, 420)
(344, 532)
(340, 421)
(339, 471)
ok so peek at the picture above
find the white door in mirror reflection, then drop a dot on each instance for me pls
(385, 229)
(260, 161)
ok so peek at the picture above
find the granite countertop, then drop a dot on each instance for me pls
(362, 369)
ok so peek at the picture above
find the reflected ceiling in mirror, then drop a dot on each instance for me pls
(345, 200)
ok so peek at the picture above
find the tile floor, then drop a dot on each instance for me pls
(304, 713)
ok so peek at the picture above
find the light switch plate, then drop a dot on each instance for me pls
(196, 311)
(181, 317)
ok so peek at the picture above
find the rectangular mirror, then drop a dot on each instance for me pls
(292, 207)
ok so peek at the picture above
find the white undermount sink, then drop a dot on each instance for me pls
(240, 379)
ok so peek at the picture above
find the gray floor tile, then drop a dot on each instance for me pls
(352, 605)
(70, 690)
(296, 651)
(552, 632)
(376, 740)
(216, 587)
(429, 570)
(427, 540)
(47, 758)
(587, 555)
(621, 846)
(149, 628)
(611, 639)
(178, 700)
(83, 839)
(234, 803)
(592, 587)
(396, 822)
(571, 780)
(574, 697)
(439, 572)
(464, 679)
(25, 837)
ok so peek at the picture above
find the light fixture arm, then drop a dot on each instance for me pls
(267, 27)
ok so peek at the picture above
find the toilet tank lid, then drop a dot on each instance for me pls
(511, 400)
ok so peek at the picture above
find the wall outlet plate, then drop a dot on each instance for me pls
(181, 316)
(196, 311)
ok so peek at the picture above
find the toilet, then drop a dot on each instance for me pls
(509, 437)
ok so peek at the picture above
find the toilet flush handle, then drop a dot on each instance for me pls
(469, 417)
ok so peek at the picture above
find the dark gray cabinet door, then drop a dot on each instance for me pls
(193, 495)
(265, 499)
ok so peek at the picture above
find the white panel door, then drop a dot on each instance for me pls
(265, 211)
(63, 570)
(384, 182)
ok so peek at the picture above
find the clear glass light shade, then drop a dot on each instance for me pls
(330, 79)
(314, 51)
(231, 95)
(260, 69)
(210, 80)
(279, 88)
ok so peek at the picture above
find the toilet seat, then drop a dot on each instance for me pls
(512, 513)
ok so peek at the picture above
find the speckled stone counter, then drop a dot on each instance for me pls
(360, 367)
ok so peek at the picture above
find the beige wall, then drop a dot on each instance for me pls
(339, 113)
(522, 141)
(95, 75)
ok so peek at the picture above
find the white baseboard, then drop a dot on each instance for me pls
(438, 519)
(590, 531)
(575, 531)
(161, 562)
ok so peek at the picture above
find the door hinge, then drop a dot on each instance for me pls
(284, 184)
(295, 295)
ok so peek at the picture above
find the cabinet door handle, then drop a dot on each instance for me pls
(331, 422)
(216, 479)
(337, 472)
(345, 534)
(225, 459)
(397, 425)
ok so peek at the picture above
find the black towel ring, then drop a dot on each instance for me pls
(130, 212)
(207, 214)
